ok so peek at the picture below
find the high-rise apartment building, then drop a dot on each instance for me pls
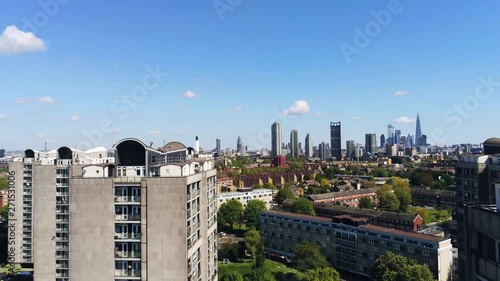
(371, 144)
(309, 146)
(477, 216)
(350, 149)
(336, 140)
(135, 213)
(276, 139)
(294, 144)
(2, 153)
(218, 149)
(382, 140)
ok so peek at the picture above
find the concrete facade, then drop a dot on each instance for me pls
(137, 214)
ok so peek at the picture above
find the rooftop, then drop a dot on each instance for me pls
(419, 236)
(366, 212)
(306, 217)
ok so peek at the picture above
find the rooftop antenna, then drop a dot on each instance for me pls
(45, 146)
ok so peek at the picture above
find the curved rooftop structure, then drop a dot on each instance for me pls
(172, 146)
(491, 146)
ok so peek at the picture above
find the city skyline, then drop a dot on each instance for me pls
(88, 77)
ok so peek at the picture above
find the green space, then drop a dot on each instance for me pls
(273, 270)
(431, 215)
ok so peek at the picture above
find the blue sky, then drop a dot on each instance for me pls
(243, 67)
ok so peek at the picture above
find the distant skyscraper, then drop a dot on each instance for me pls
(418, 130)
(2, 153)
(276, 139)
(382, 140)
(243, 149)
(238, 144)
(409, 141)
(390, 134)
(397, 136)
(371, 143)
(294, 144)
(309, 146)
(323, 151)
(300, 148)
(218, 148)
(350, 149)
(336, 140)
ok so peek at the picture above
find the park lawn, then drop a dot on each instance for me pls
(271, 268)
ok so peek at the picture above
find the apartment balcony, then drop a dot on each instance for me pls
(27, 235)
(62, 266)
(127, 273)
(127, 255)
(128, 236)
(128, 199)
(62, 256)
(128, 217)
(127, 180)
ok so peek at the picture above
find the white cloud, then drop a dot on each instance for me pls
(356, 117)
(76, 118)
(22, 100)
(321, 114)
(300, 107)
(15, 41)
(154, 132)
(401, 93)
(405, 119)
(46, 100)
(4, 117)
(189, 95)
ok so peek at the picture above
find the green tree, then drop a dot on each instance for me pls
(324, 183)
(12, 270)
(322, 274)
(269, 186)
(369, 184)
(303, 206)
(423, 213)
(398, 182)
(284, 194)
(388, 201)
(231, 251)
(252, 241)
(231, 211)
(257, 274)
(404, 197)
(260, 257)
(232, 276)
(5, 212)
(392, 267)
(4, 183)
(251, 214)
(365, 203)
(307, 177)
(308, 256)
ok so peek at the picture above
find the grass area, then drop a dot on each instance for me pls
(431, 215)
(274, 270)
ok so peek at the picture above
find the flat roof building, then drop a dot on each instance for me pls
(105, 215)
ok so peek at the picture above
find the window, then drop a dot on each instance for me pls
(371, 241)
(396, 246)
(428, 262)
(426, 253)
(411, 250)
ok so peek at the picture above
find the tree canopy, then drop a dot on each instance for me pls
(4, 183)
(252, 241)
(322, 274)
(392, 267)
(252, 211)
(389, 201)
(284, 194)
(365, 203)
(303, 206)
(308, 256)
(230, 213)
